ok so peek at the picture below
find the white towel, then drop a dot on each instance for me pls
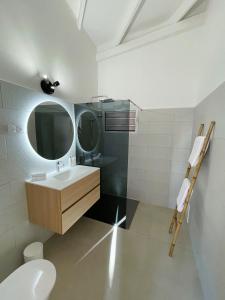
(38, 177)
(183, 194)
(196, 150)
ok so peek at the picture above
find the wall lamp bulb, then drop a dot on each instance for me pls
(56, 83)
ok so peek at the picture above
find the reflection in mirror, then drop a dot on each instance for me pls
(50, 130)
(88, 131)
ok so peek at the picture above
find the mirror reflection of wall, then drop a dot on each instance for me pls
(50, 130)
(88, 131)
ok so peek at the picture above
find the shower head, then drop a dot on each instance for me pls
(107, 100)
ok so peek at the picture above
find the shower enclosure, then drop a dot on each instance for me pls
(103, 130)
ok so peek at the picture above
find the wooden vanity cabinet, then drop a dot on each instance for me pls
(58, 210)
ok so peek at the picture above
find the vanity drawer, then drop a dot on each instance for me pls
(76, 191)
(71, 216)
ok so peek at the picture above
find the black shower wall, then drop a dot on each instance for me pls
(115, 147)
(112, 146)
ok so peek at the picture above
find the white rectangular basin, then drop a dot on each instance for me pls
(63, 179)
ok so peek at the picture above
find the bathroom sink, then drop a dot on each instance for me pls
(71, 173)
(65, 178)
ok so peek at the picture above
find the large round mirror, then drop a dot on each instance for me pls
(50, 130)
(88, 131)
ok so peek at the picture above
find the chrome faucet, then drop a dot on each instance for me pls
(59, 165)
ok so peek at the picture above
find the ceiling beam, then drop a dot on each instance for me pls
(182, 10)
(81, 13)
(178, 16)
(152, 37)
(128, 21)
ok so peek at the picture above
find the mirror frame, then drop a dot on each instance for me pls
(27, 129)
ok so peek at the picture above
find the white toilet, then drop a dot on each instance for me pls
(32, 281)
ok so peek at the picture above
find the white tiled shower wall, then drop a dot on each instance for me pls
(158, 154)
(17, 162)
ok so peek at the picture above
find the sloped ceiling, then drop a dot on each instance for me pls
(103, 19)
(198, 8)
(152, 14)
(112, 22)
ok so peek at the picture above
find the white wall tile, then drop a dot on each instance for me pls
(18, 98)
(142, 152)
(183, 115)
(180, 155)
(159, 198)
(179, 167)
(4, 172)
(26, 233)
(158, 151)
(138, 139)
(182, 141)
(156, 127)
(182, 128)
(1, 103)
(12, 216)
(7, 242)
(159, 140)
(23, 99)
(5, 199)
(3, 149)
(158, 176)
(158, 165)
(17, 191)
(157, 115)
(9, 262)
(17, 162)
(137, 162)
(136, 174)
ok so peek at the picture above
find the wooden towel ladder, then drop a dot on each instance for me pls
(178, 217)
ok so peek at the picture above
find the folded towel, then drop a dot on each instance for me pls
(38, 177)
(196, 150)
(183, 194)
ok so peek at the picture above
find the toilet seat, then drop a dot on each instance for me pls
(32, 281)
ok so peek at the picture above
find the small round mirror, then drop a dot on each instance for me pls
(50, 130)
(88, 131)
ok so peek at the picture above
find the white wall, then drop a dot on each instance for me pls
(207, 209)
(207, 220)
(164, 74)
(42, 36)
(18, 161)
(213, 44)
(178, 71)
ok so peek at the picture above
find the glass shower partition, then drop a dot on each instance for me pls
(110, 154)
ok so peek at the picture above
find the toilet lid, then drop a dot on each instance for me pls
(32, 281)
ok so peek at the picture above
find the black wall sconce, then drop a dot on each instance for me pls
(48, 87)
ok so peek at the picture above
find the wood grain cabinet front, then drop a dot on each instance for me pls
(58, 210)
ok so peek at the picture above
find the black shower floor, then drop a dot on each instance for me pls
(111, 209)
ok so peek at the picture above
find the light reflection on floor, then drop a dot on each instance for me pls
(98, 261)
